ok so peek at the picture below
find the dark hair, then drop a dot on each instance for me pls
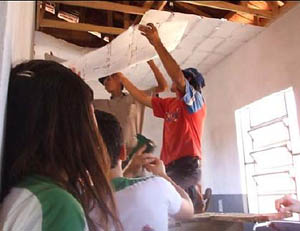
(194, 83)
(111, 132)
(194, 77)
(51, 131)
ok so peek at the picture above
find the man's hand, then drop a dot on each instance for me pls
(138, 161)
(151, 33)
(287, 204)
(157, 167)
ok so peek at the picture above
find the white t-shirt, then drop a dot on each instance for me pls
(145, 201)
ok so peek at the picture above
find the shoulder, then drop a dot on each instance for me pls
(59, 208)
(166, 100)
(100, 102)
(159, 182)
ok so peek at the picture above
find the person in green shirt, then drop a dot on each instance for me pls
(53, 154)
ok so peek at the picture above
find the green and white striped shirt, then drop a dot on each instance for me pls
(38, 204)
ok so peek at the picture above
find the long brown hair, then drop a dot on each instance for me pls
(51, 131)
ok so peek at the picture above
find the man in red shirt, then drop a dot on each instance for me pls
(183, 120)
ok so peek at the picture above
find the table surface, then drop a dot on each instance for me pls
(241, 217)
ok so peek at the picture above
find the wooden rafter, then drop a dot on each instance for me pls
(161, 5)
(105, 5)
(126, 17)
(192, 9)
(274, 7)
(80, 26)
(110, 23)
(282, 10)
(147, 5)
(40, 11)
(232, 7)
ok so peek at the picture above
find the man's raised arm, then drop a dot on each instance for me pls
(171, 66)
(138, 94)
(161, 81)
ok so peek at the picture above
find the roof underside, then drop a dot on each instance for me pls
(77, 21)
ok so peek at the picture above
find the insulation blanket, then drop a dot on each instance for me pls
(128, 49)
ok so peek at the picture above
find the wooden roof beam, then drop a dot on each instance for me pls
(192, 9)
(147, 5)
(232, 7)
(126, 21)
(105, 5)
(40, 11)
(80, 26)
(161, 5)
(281, 11)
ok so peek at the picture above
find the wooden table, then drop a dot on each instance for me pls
(223, 221)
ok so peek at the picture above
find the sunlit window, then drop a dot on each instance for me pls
(268, 138)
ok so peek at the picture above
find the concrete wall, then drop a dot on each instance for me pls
(266, 64)
(16, 30)
(22, 20)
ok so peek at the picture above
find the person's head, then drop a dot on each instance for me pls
(112, 83)
(194, 77)
(51, 131)
(111, 131)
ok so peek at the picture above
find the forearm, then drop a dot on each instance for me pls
(180, 190)
(161, 81)
(138, 94)
(170, 65)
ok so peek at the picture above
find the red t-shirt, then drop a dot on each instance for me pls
(183, 124)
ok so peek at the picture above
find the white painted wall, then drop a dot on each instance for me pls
(4, 66)
(266, 64)
(16, 30)
(21, 16)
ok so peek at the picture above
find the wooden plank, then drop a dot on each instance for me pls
(37, 15)
(161, 5)
(147, 5)
(274, 7)
(80, 26)
(232, 7)
(126, 17)
(283, 10)
(40, 11)
(192, 9)
(110, 23)
(105, 5)
(207, 225)
(241, 217)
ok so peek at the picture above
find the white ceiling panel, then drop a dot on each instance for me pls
(212, 59)
(204, 43)
(228, 46)
(225, 30)
(209, 44)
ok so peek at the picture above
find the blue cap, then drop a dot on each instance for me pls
(193, 73)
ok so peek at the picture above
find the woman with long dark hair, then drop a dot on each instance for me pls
(55, 164)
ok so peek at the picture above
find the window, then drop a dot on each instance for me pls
(268, 140)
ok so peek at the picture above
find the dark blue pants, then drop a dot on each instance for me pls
(186, 172)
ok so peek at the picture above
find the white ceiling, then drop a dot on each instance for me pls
(204, 44)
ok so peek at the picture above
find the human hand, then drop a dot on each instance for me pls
(139, 160)
(157, 167)
(151, 33)
(287, 204)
